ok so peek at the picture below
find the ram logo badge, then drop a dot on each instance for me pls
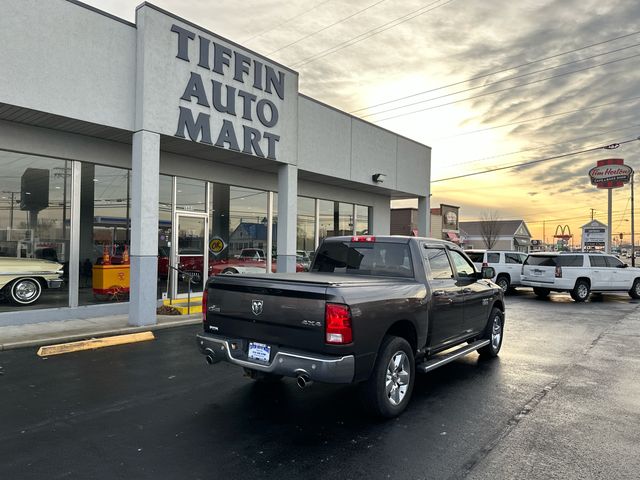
(256, 306)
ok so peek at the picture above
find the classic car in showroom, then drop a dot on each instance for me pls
(23, 279)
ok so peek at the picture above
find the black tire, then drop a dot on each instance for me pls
(503, 282)
(229, 271)
(25, 291)
(388, 390)
(581, 291)
(541, 292)
(494, 332)
(635, 289)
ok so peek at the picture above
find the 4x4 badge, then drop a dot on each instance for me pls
(256, 306)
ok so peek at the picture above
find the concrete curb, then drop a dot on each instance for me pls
(101, 333)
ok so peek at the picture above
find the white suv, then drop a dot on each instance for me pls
(580, 274)
(507, 264)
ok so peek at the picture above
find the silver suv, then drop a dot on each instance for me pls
(507, 264)
(580, 274)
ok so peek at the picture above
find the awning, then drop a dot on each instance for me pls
(523, 242)
(453, 236)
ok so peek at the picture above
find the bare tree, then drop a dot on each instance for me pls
(490, 228)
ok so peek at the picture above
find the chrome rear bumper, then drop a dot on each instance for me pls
(290, 363)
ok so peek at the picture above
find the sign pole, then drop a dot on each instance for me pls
(633, 236)
(608, 247)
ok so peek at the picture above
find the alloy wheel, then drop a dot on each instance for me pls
(397, 377)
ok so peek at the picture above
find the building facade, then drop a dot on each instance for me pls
(504, 234)
(165, 144)
(443, 222)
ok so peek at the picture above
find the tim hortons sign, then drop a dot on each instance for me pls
(610, 173)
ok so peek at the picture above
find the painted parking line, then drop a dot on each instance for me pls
(94, 343)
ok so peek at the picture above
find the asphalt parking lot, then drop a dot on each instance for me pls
(555, 404)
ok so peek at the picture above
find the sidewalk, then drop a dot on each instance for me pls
(583, 425)
(46, 333)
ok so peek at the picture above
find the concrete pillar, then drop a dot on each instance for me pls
(424, 217)
(381, 221)
(145, 184)
(287, 217)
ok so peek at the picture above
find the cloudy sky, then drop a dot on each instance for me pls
(485, 84)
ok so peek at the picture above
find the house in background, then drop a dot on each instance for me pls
(509, 235)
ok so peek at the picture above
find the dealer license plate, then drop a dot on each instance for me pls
(537, 273)
(259, 351)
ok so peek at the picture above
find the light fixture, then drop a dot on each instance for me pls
(378, 177)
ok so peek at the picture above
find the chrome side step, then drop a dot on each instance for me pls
(440, 360)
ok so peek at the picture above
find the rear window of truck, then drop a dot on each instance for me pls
(364, 258)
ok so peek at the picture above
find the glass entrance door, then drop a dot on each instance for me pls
(190, 253)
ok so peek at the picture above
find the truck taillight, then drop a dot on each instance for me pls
(337, 324)
(205, 297)
(364, 238)
(558, 271)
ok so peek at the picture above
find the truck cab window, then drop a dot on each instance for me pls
(439, 263)
(464, 268)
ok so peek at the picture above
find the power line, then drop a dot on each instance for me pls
(469, 162)
(485, 75)
(624, 100)
(501, 81)
(259, 34)
(327, 27)
(364, 36)
(533, 162)
(504, 89)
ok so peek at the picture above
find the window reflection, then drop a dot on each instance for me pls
(35, 198)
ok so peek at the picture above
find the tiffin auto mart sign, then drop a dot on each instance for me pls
(610, 173)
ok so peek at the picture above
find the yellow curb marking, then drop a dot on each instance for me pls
(94, 343)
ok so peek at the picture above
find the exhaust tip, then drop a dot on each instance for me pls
(303, 381)
(211, 356)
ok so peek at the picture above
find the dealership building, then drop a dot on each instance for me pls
(143, 155)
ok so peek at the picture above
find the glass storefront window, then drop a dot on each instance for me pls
(325, 208)
(306, 225)
(247, 221)
(165, 203)
(362, 220)
(237, 230)
(35, 198)
(191, 195)
(105, 203)
(344, 218)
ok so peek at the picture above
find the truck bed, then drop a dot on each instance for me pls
(292, 306)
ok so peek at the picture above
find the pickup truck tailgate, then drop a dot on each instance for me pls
(272, 309)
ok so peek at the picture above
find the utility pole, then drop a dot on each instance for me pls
(633, 237)
(593, 210)
(11, 207)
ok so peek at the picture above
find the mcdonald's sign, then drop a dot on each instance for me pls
(563, 232)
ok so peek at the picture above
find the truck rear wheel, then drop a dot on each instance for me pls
(493, 332)
(388, 390)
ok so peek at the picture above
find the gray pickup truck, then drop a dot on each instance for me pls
(372, 311)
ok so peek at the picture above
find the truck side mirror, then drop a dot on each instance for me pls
(488, 272)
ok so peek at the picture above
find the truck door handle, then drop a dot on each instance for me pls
(466, 290)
